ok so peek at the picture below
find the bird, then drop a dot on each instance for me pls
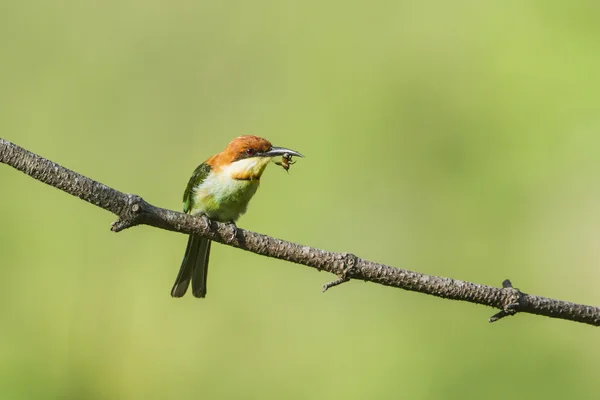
(220, 189)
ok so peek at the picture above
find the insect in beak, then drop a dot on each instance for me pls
(286, 161)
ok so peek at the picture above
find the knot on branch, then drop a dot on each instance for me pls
(511, 301)
(131, 214)
(347, 263)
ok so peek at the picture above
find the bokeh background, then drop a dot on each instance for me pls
(453, 138)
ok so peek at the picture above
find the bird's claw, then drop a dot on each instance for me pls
(234, 229)
(206, 220)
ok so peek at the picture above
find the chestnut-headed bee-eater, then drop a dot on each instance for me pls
(220, 189)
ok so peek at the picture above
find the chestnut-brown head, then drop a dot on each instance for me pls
(248, 147)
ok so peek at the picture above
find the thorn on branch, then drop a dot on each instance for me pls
(511, 301)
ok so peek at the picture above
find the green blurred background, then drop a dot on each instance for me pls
(453, 138)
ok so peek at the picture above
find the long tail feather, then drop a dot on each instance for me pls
(200, 273)
(194, 268)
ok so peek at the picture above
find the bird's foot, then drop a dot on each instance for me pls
(234, 229)
(206, 220)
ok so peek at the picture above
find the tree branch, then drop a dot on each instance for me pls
(132, 210)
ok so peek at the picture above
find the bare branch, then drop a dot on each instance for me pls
(132, 210)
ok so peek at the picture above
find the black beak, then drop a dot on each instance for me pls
(280, 151)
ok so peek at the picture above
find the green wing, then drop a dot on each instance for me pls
(200, 173)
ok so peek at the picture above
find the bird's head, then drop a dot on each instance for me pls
(246, 157)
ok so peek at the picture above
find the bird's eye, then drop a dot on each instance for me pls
(250, 151)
